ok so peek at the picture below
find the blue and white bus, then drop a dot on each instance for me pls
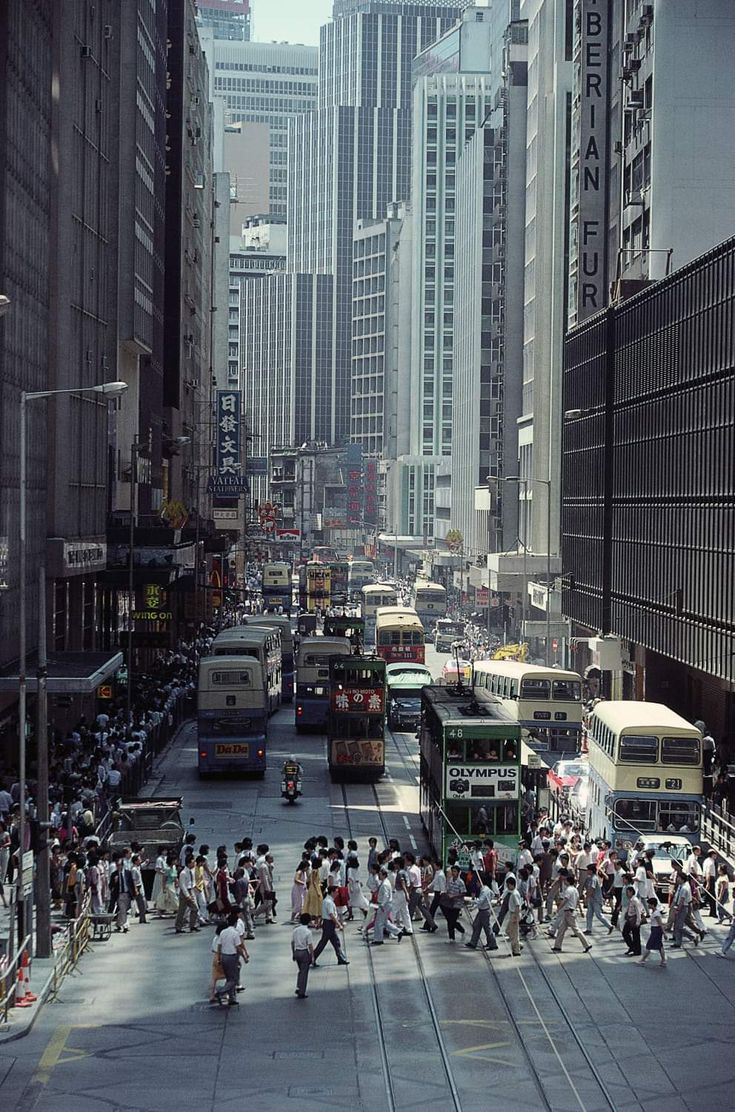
(312, 679)
(264, 645)
(645, 772)
(232, 715)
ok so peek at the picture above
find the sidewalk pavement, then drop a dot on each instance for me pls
(21, 1020)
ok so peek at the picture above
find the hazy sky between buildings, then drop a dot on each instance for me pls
(290, 20)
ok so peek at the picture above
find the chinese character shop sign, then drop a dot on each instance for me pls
(358, 700)
(355, 484)
(229, 478)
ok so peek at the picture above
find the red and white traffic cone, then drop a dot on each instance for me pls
(23, 995)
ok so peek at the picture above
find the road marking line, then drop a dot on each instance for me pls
(412, 840)
(52, 1055)
(406, 823)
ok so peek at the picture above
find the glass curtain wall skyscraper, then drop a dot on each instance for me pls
(350, 158)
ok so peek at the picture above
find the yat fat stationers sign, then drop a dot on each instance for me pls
(228, 480)
(481, 781)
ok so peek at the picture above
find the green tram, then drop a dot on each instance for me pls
(470, 772)
(356, 721)
(344, 625)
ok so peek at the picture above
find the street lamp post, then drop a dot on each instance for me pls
(110, 390)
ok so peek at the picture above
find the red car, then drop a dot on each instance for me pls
(565, 774)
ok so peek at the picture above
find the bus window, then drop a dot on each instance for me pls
(566, 691)
(455, 750)
(417, 638)
(534, 689)
(680, 751)
(638, 750)
(640, 813)
(679, 818)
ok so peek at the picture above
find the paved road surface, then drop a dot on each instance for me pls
(406, 1026)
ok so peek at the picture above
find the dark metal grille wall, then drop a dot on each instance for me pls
(658, 372)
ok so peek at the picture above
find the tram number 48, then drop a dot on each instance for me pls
(455, 733)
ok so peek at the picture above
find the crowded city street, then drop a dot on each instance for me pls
(406, 1025)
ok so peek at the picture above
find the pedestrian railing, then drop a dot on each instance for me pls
(8, 979)
(718, 830)
(76, 942)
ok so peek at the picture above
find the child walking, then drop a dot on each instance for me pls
(656, 937)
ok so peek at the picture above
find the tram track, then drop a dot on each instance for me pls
(411, 764)
(380, 1017)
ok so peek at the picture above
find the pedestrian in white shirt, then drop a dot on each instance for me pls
(302, 952)
(331, 923)
(232, 948)
(709, 880)
(567, 911)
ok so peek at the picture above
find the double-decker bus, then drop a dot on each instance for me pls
(314, 586)
(344, 625)
(446, 632)
(312, 679)
(264, 645)
(546, 702)
(356, 725)
(276, 586)
(430, 602)
(372, 597)
(232, 715)
(339, 571)
(645, 772)
(399, 634)
(361, 572)
(470, 772)
(288, 662)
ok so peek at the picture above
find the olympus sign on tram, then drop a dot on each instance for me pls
(481, 782)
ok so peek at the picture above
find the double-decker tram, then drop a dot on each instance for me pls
(373, 596)
(315, 584)
(399, 635)
(232, 715)
(312, 679)
(344, 625)
(276, 586)
(339, 571)
(430, 603)
(288, 662)
(356, 724)
(264, 645)
(361, 572)
(645, 772)
(470, 772)
(546, 702)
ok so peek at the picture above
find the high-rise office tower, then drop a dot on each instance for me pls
(229, 20)
(264, 85)
(350, 158)
(450, 100)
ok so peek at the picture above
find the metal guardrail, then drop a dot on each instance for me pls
(718, 829)
(8, 978)
(76, 942)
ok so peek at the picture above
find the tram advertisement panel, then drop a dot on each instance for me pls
(357, 752)
(481, 782)
(359, 700)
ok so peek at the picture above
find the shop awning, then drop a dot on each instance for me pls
(68, 673)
